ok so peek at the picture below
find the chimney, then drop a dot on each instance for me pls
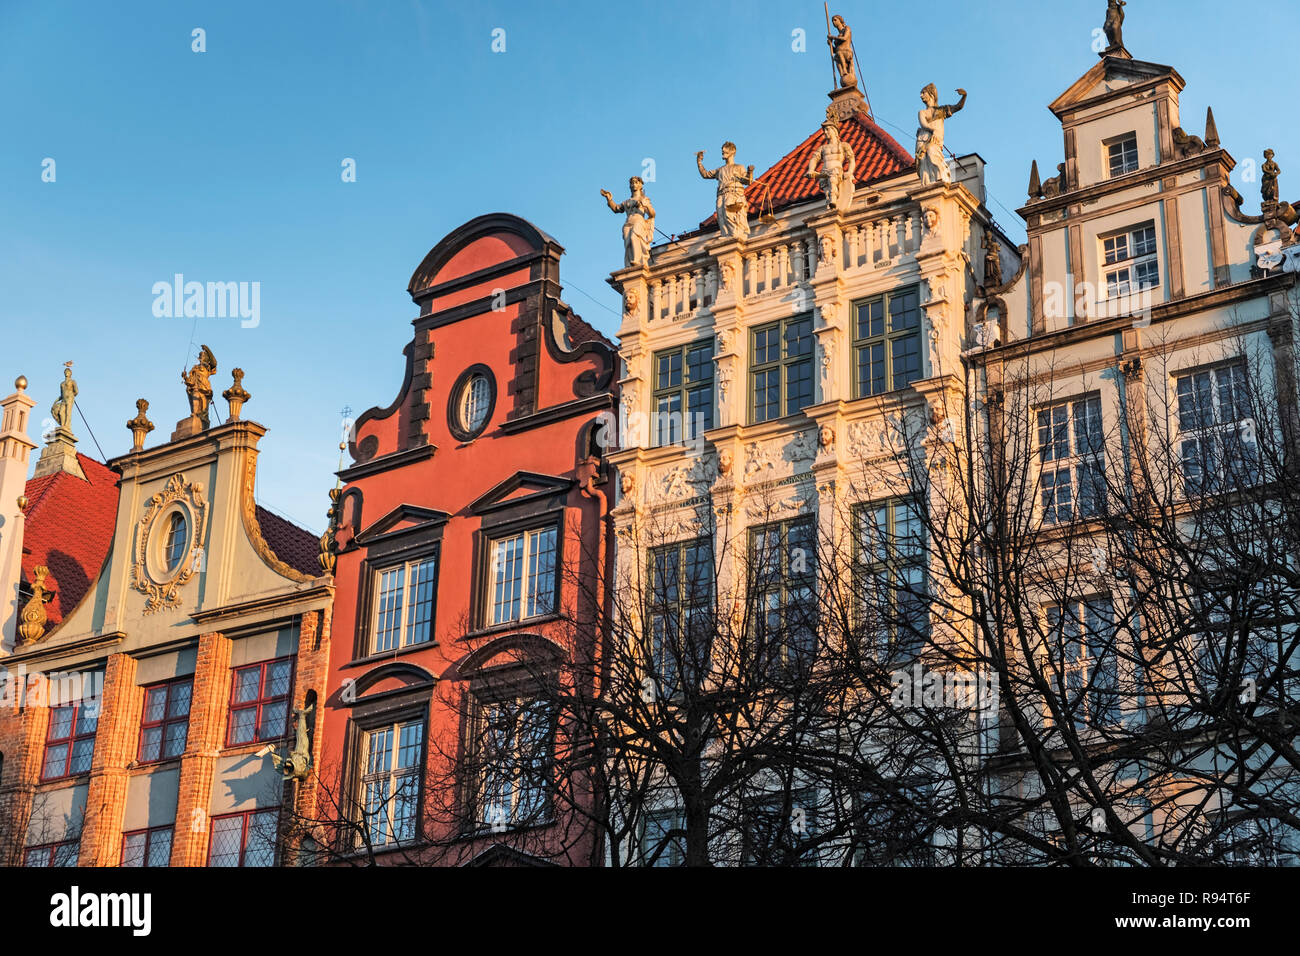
(15, 453)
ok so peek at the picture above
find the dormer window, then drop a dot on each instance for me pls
(1122, 155)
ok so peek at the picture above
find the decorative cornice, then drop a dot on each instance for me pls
(254, 530)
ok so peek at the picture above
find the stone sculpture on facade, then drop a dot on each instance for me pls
(841, 44)
(1269, 173)
(992, 260)
(236, 395)
(930, 164)
(639, 227)
(828, 166)
(33, 615)
(732, 207)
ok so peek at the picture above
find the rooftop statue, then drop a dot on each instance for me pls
(930, 164)
(197, 385)
(841, 44)
(827, 166)
(733, 208)
(639, 227)
(61, 410)
(1114, 25)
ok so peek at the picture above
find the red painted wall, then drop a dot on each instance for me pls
(488, 293)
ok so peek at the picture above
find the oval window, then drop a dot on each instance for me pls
(178, 534)
(475, 403)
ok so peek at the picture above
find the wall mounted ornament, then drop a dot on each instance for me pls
(150, 574)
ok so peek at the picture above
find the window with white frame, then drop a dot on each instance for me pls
(1084, 662)
(1070, 451)
(515, 742)
(390, 782)
(663, 839)
(522, 578)
(678, 614)
(404, 601)
(1217, 442)
(1130, 262)
(1122, 155)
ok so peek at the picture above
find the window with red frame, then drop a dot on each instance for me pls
(70, 739)
(51, 854)
(165, 723)
(152, 847)
(243, 839)
(259, 702)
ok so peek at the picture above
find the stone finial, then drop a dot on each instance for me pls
(34, 615)
(1211, 129)
(235, 396)
(20, 383)
(140, 425)
(1035, 182)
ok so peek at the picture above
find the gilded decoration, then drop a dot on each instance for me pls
(162, 589)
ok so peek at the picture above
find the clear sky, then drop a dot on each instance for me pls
(226, 165)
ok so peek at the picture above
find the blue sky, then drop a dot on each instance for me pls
(225, 165)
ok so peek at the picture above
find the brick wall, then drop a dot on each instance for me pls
(198, 764)
(116, 740)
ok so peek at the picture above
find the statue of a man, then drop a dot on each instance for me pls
(930, 164)
(992, 260)
(837, 181)
(1267, 181)
(639, 227)
(61, 410)
(197, 385)
(841, 44)
(1114, 25)
(733, 209)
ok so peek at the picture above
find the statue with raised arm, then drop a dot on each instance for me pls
(828, 166)
(841, 44)
(930, 164)
(733, 208)
(197, 384)
(61, 410)
(1114, 25)
(639, 227)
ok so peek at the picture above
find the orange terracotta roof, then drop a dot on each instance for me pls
(295, 546)
(785, 184)
(68, 527)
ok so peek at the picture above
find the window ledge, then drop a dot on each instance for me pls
(382, 656)
(520, 625)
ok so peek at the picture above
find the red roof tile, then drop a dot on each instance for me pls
(295, 546)
(581, 331)
(878, 156)
(68, 527)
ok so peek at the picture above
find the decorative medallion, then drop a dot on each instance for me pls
(167, 551)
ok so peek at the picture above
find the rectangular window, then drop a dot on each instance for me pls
(165, 723)
(887, 342)
(515, 762)
(683, 395)
(1085, 673)
(1070, 450)
(390, 782)
(1216, 430)
(1130, 262)
(70, 739)
(663, 840)
(147, 847)
(783, 581)
(404, 598)
(244, 839)
(780, 368)
(51, 854)
(891, 578)
(1122, 155)
(522, 577)
(259, 705)
(680, 605)
(778, 828)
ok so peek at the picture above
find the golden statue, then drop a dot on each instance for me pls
(33, 616)
(197, 385)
